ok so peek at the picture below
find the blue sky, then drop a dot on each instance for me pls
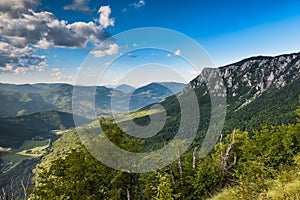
(31, 51)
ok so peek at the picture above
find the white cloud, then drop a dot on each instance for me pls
(105, 49)
(79, 5)
(15, 69)
(131, 55)
(104, 19)
(135, 5)
(19, 60)
(139, 4)
(24, 31)
(56, 69)
(178, 52)
(16, 7)
(58, 75)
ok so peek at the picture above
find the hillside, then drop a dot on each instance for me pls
(262, 93)
(152, 93)
(15, 130)
(26, 99)
(125, 88)
(24, 139)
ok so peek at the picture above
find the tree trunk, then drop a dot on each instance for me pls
(195, 153)
(225, 157)
(128, 194)
(179, 162)
(172, 176)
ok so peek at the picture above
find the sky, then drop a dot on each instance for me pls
(82, 41)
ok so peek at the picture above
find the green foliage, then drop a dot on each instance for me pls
(267, 166)
(71, 172)
(164, 189)
(208, 179)
(77, 176)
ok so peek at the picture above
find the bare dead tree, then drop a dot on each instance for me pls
(12, 188)
(225, 157)
(24, 189)
(25, 185)
(179, 161)
(128, 194)
(195, 153)
(4, 195)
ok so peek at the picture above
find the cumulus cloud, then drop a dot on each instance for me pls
(19, 60)
(44, 30)
(104, 18)
(24, 31)
(57, 75)
(79, 5)
(178, 52)
(106, 48)
(15, 8)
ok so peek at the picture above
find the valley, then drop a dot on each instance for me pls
(262, 92)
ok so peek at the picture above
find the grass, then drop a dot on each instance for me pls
(28, 149)
(34, 152)
(29, 144)
(276, 191)
(134, 115)
(285, 191)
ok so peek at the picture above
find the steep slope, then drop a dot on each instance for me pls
(254, 97)
(259, 86)
(260, 90)
(14, 130)
(15, 103)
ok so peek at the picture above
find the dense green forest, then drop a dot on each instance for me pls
(255, 164)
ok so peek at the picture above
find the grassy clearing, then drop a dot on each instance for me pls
(285, 191)
(134, 115)
(28, 149)
(30, 144)
(34, 152)
(276, 191)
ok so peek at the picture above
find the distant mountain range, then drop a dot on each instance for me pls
(125, 88)
(260, 91)
(25, 99)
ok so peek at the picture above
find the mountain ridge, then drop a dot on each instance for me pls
(57, 96)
